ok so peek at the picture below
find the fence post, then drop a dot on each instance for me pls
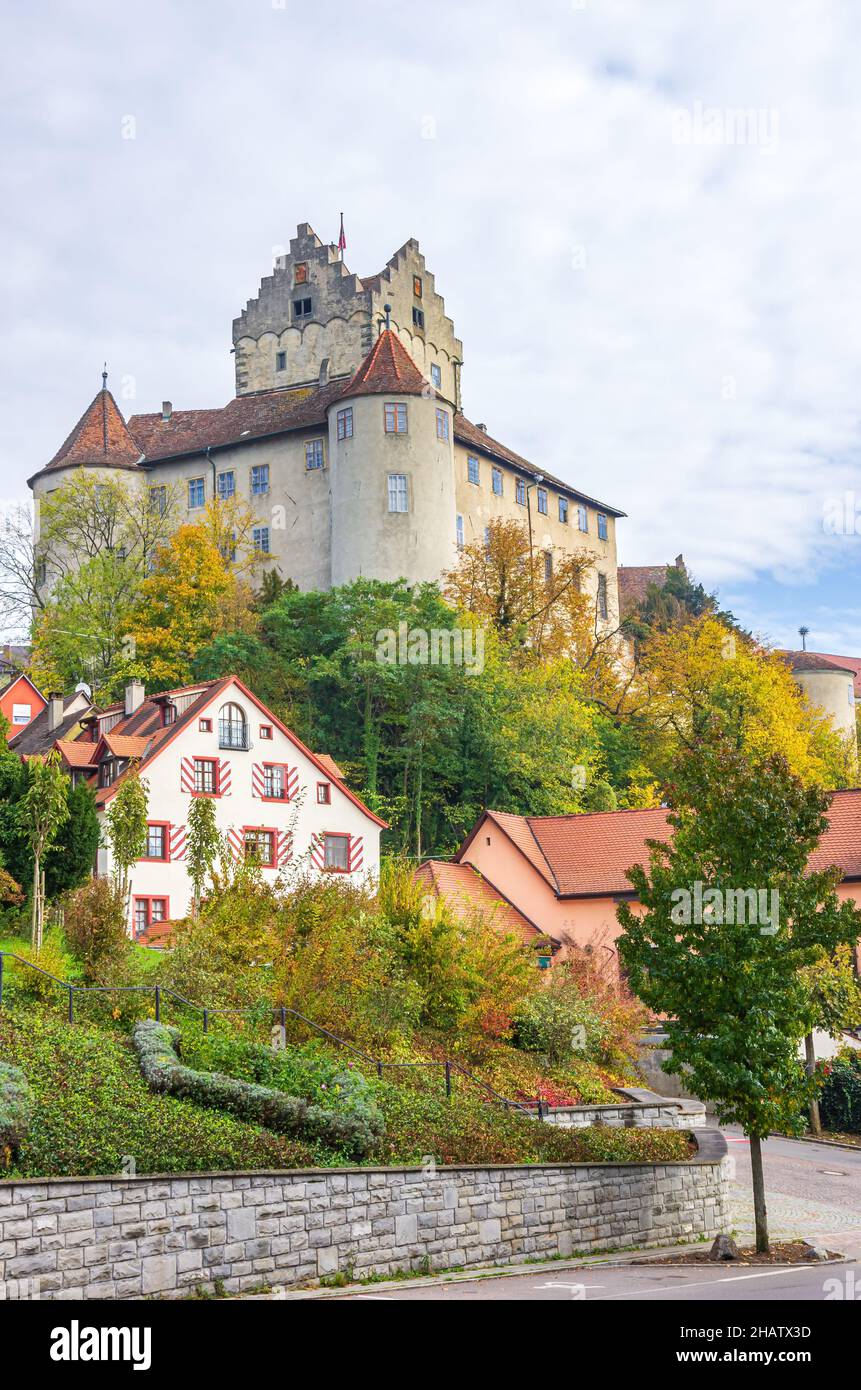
(380, 1070)
(71, 1003)
(206, 1020)
(448, 1079)
(158, 1004)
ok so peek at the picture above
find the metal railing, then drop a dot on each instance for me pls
(232, 735)
(280, 1013)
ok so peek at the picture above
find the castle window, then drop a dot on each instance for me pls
(395, 418)
(520, 492)
(345, 423)
(419, 319)
(280, 361)
(548, 566)
(442, 424)
(41, 571)
(398, 492)
(472, 470)
(542, 501)
(487, 537)
(158, 500)
(226, 485)
(417, 286)
(496, 481)
(563, 510)
(196, 493)
(436, 375)
(260, 537)
(602, 527)
(602, 596)
(301, 308)
(260, 479)
(459, 533)
(582, 518)
(313, 453)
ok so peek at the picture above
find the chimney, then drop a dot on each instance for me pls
(56, 704)
(135, 693)
(481, 426)
(166, 411)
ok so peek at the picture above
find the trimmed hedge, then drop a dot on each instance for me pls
(840, 1098)
(16, 1109)
(349, 1133)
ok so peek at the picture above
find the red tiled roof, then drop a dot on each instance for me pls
(851, 663)
(100, 438)
(589, 855)
(465, 432)
(330, 765)
(127, 745)
(75, 752)
(388, 367)
(244, 418)
(464, 885)
(815, 661)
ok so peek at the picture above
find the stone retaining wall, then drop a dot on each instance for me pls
(642, 1109)
(132, 1237)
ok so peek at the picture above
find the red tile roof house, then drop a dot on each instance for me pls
(273, 797)
(565, 875)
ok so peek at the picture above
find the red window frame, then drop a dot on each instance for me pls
(266, 731)
(325, 800)
(339, 835)
(161, 858)
(205, 726)
(262, 830)
(398, 410)
(217, 791)
(149, 899)
(284, 771)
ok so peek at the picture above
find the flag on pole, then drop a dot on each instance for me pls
(342, 239)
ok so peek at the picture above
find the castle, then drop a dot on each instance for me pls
(347, 438)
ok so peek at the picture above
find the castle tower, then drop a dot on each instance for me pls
(392, 472)
(312, 313)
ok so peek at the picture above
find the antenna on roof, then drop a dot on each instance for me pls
(802, 632)
(105, 377)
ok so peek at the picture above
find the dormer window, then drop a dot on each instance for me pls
(107, 772)
(168, 713)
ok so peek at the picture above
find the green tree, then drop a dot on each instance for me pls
(836, 995)
(126, 827)
(71, 859)
(44, 809)
(734, 992)
(202, 845)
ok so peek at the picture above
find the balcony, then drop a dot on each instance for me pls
(233, 736)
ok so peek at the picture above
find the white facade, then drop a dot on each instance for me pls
(272, 793)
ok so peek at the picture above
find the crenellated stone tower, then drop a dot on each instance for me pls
(314, 320)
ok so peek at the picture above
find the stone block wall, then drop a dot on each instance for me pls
(131, 1237)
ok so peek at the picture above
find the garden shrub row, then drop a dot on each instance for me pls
(352, 1131)
(840, 1099)
(16, 1108)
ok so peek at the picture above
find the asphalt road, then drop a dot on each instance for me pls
(813, 1191)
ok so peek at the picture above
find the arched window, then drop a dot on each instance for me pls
(232, 727)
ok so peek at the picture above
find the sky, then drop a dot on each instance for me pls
(643, 216)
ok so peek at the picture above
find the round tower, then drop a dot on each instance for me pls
(392, 471)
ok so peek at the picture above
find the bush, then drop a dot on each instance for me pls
(349, 1132)
(16, 1108)
(95, 929)
(840, 1098)
(32, 984)
(94, 1112)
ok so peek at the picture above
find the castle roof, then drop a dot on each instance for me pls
(814, 661)
(388, 369)
(100, 439)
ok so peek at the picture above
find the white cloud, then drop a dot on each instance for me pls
(670, 326)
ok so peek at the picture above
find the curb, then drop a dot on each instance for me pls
(642, 1256)
(825, 1143)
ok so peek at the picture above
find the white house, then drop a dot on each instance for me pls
(273, 797)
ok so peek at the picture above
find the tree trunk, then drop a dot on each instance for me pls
(810, 1051)
(34, 920)
(760, 1213)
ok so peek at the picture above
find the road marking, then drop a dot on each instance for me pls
(709, 1283)
(570, 1286)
